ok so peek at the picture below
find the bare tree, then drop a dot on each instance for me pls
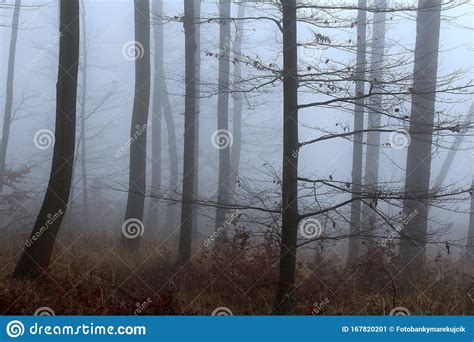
(469, 254)
(356, 205)
(284, 304)
(197, 13)
(39, 247)
(237, 97)
(185, 240)
(139, 122)
(173, 154)
(375, 108)
(157, 107)
(418, 169)
(7, 118)
(85, 204)
(223, 185)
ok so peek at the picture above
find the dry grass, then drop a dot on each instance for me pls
(92, 276)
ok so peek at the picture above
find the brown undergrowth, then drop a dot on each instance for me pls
(92, 276)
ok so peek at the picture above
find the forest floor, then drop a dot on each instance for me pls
(93, 276)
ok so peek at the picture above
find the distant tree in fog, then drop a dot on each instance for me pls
(139, 122)
(156, 113)
(7, 118)
(418, 169)
(356, 205)
(375, 108)
(189, 154)
(224, 181)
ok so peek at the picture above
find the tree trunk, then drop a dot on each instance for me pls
(237, 97)
(371, 176)
(39, 247)
(138, 131)
(469, 254)
(418, 170)
(7, 118)
(284, 304)
(452, 151)
(173, 156)
(157, 107)
(197, 13)
(223, 186)
(85, 204)
(356, 205)
(185, 240)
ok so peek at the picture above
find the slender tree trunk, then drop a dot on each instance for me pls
(85, 203)
(371, 176)
(469, 254)
(39, 247)
(452, 151)
(223, 186)
(173, 156)
(138, 131)
(237, 97)
(185, 241)
(356, 205)
(418, 170)
(197, 13)
(7, 118)
(157, 107)
(284, 304)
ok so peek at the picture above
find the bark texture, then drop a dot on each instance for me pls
(39, 247)
(284, 303)
(418, 170)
